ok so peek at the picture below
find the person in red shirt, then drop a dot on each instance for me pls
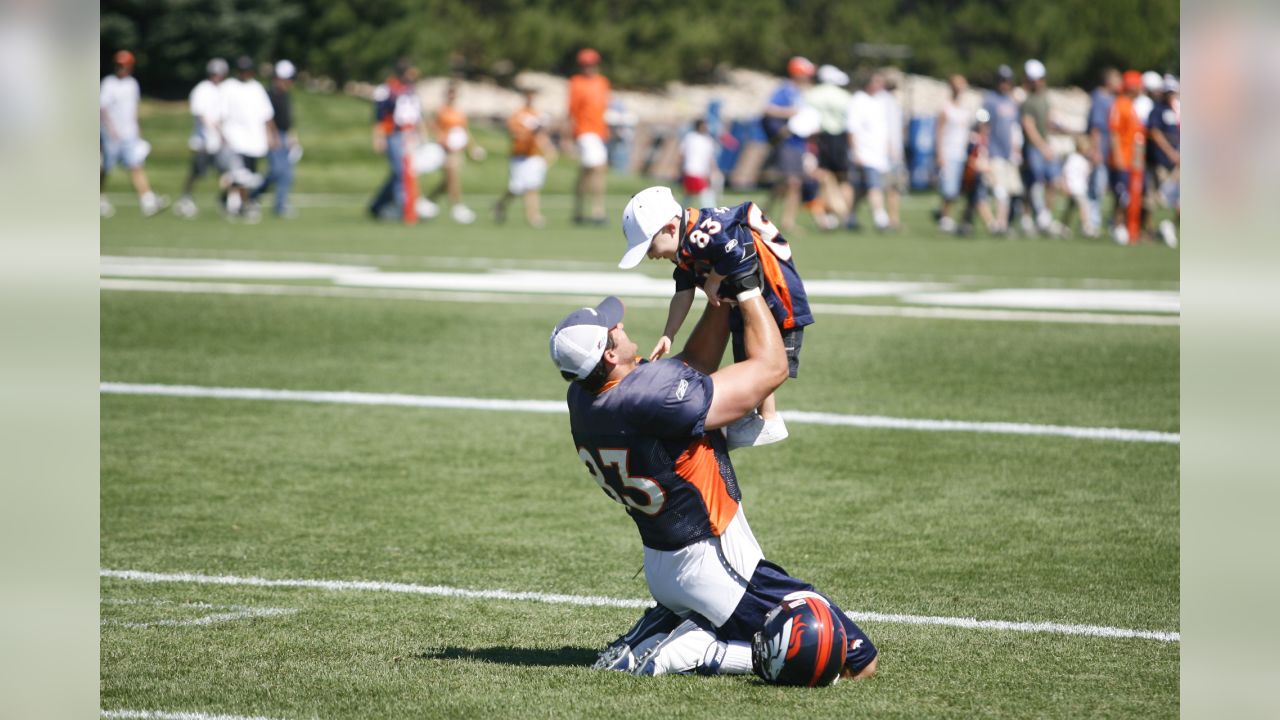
(1127, 147)
(588, 100)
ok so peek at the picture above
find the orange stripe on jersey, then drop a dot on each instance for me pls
(694, 215)
(773, 275)
(699, 467)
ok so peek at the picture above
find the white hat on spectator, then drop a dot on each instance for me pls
(832, 75)
(285, 70)
(1170, 83)
(1152, 81)
(1034, 70)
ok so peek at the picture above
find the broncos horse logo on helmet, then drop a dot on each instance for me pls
(801, 643)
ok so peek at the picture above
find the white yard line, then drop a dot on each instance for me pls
(174, 715)
(600, 601)
(819, 309)
(557, 406)
(238, 612)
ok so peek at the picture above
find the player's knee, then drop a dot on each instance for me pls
(867, 671)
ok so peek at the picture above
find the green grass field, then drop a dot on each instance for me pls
(985, 525)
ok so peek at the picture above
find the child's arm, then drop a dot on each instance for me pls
(679, 310)
(712, 288)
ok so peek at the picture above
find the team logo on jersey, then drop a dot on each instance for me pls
(682, 388)
(730, 245)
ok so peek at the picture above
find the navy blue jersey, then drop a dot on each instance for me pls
(643, 441)
(727, 240)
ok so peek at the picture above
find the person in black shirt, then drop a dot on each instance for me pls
(286, 151)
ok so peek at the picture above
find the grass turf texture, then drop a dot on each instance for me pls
(989, 526)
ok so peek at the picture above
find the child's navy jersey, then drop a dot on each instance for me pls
(642, 439)
(725, 240)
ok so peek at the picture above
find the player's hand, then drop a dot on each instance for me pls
(748, 278)
(379, 144)
(662, 348)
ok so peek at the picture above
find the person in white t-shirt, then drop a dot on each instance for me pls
(1075, 176)
(250, 133)
(698, 166)
(895, 182)
(869, 128)
(954, 123)
(121, 141)
(205, 143)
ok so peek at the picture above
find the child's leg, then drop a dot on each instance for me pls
(769, 407)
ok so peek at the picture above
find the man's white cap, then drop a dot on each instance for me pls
(285, 70)
(1152, 81)
(578, 341)
(1034, 70)
(1170, 83)
(832, 75)
(645, 214)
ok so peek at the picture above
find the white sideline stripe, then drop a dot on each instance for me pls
(239, 612)
(821, 309)
(394, 587)
(599, 601)
(556, 406)
(174, 715)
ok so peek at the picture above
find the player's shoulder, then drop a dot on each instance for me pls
(659, 382)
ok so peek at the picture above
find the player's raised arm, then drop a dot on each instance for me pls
(741, 387)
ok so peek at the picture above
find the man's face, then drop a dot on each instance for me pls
(664, 244)
(623, 348)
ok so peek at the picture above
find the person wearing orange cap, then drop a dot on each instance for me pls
(588, 100)
(1127, 146)
(788, 148)
(120, 138)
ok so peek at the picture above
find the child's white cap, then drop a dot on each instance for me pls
(647, 212)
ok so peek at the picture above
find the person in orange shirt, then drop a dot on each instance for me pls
(588, 100)
(1127, 148)
(452, 134)
(530, 152)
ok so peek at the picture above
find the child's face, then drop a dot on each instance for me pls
(664, 244)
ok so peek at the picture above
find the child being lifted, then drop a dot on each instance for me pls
(709, 245)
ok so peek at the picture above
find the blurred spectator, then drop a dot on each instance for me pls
(1152, 88)
(249, 129)
(120, 139)
(206, 134)
(977, 168)
(1164, 128)
(588, 101)
(1040, 168)
(1006, 180)
(869, 126)
(1099, 129)
(952, 148)
(527, 170)
(698, 166)
(788, 149)
(452, 134)
(831, 101)
(1075, 174)
(286, 150)
(397, 119)
(895, 184)
(1126, 160)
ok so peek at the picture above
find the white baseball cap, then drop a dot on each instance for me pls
(285, 70)
(1171, 83)
(579, 340)
(832, 75)
(645, 214)
(1152, 81)
(1034, 70)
